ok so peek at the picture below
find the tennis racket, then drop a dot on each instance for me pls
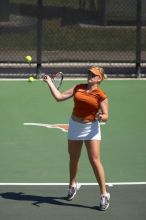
(57, 78)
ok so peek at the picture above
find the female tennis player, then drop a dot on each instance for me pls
(90, 108)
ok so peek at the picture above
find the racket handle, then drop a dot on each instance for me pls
(43, 76)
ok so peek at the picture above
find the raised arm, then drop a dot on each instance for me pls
(56, 93)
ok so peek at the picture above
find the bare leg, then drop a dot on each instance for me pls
(93, 149)
(74, 149)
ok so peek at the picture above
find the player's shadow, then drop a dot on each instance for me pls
(38, 200)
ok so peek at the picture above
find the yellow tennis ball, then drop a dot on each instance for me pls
(30, 79)
(28, 58)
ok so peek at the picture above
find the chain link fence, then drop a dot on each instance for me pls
(72, 35)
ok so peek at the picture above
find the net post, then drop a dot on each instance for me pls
(39, 36)
(138, 38)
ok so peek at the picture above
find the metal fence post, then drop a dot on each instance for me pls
(138, 38)
(39, 35)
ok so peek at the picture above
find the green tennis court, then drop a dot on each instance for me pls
(33, 150)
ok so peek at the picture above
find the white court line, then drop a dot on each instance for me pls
(66, 184)
(76, 79)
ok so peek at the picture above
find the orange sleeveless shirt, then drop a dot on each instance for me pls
(86, 104)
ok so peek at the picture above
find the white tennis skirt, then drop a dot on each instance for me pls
(84, 131)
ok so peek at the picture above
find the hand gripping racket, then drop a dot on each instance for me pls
(57, 78)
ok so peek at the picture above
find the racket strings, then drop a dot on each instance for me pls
(57, 79)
